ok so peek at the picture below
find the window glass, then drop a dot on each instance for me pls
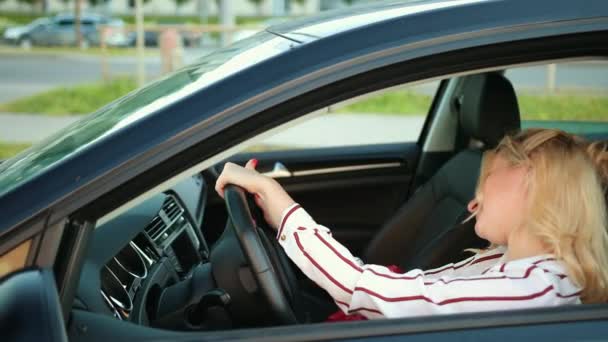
(388, 116)
(65, 22)
(572, 96)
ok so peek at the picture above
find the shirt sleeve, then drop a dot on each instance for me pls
(374, 291)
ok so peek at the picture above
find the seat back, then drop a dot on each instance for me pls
(426, 232)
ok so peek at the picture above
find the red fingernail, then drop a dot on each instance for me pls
(254, 162)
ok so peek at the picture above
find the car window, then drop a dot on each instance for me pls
(65, 22)
(393, 115)
(572, 96)
(137, 105)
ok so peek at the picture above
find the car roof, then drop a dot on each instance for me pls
(83, 16)
(204, 94)
(351, 18)
(336, 21)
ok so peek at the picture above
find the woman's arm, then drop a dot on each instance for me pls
(374, 291)
(268, 193)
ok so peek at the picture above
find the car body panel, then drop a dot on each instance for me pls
(183, 115)
(60, 30)
(15, 34)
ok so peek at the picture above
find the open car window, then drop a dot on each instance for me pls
(407, 102)
(572, 96)
(393, 115)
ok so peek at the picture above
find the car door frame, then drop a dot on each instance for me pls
(89, 214)
(471, 324)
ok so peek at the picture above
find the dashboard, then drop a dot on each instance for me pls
(150, 264)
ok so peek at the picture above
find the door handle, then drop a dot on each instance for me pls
(279, 170)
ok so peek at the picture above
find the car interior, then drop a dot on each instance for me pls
(184, 259)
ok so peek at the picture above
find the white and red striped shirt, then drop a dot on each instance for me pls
(484, 282)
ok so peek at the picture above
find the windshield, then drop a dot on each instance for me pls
(137, 105)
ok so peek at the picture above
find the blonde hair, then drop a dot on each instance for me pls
(567, 201)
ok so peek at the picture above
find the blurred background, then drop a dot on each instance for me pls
(61, 59)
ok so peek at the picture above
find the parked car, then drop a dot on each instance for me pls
(111, 229)
(152, 36)
(19, 35)
(60, 30)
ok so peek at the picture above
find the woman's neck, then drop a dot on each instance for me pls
(521, 245)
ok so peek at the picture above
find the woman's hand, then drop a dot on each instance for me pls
(268, 193)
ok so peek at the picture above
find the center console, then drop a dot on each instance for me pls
(161, 273)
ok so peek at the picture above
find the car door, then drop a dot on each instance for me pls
(350, 165)
(39, 35)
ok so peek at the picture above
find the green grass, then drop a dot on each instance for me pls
(81, 99)
(558, 106)
(89, 97)
(564, 107)
(393, 102)
(18, 18)
(72, 50)
(189, 19)
(8, 150)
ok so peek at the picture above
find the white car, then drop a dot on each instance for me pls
(19, 35)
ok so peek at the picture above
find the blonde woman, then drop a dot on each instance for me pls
(540, 203)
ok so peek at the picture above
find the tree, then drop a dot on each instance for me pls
(179, 3)
(258, 5)
(132, 3)
(300, 3)
(31, 3)
(94, 3)
(65, 4)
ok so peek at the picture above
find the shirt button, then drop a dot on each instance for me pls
(283, 237)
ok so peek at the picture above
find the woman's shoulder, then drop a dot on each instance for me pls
(543, 268)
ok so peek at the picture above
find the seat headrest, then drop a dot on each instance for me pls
(488, 108)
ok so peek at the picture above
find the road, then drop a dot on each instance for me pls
(26, 74)
(324, 130)
(19, 128)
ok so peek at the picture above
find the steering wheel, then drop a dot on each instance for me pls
(257, 253)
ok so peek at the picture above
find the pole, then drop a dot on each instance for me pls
(139, 28)
(278, 8)
(105, 72)
(77, 23)
(551, 73)
(227, 21)
(203, 9)
(203, 12)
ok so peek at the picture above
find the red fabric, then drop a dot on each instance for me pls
(340, 316)
(395, 268)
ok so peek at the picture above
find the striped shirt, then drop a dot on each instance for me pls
(484, 282)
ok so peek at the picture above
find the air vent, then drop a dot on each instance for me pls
(156, 227)
(165, 222)
(171, 208)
